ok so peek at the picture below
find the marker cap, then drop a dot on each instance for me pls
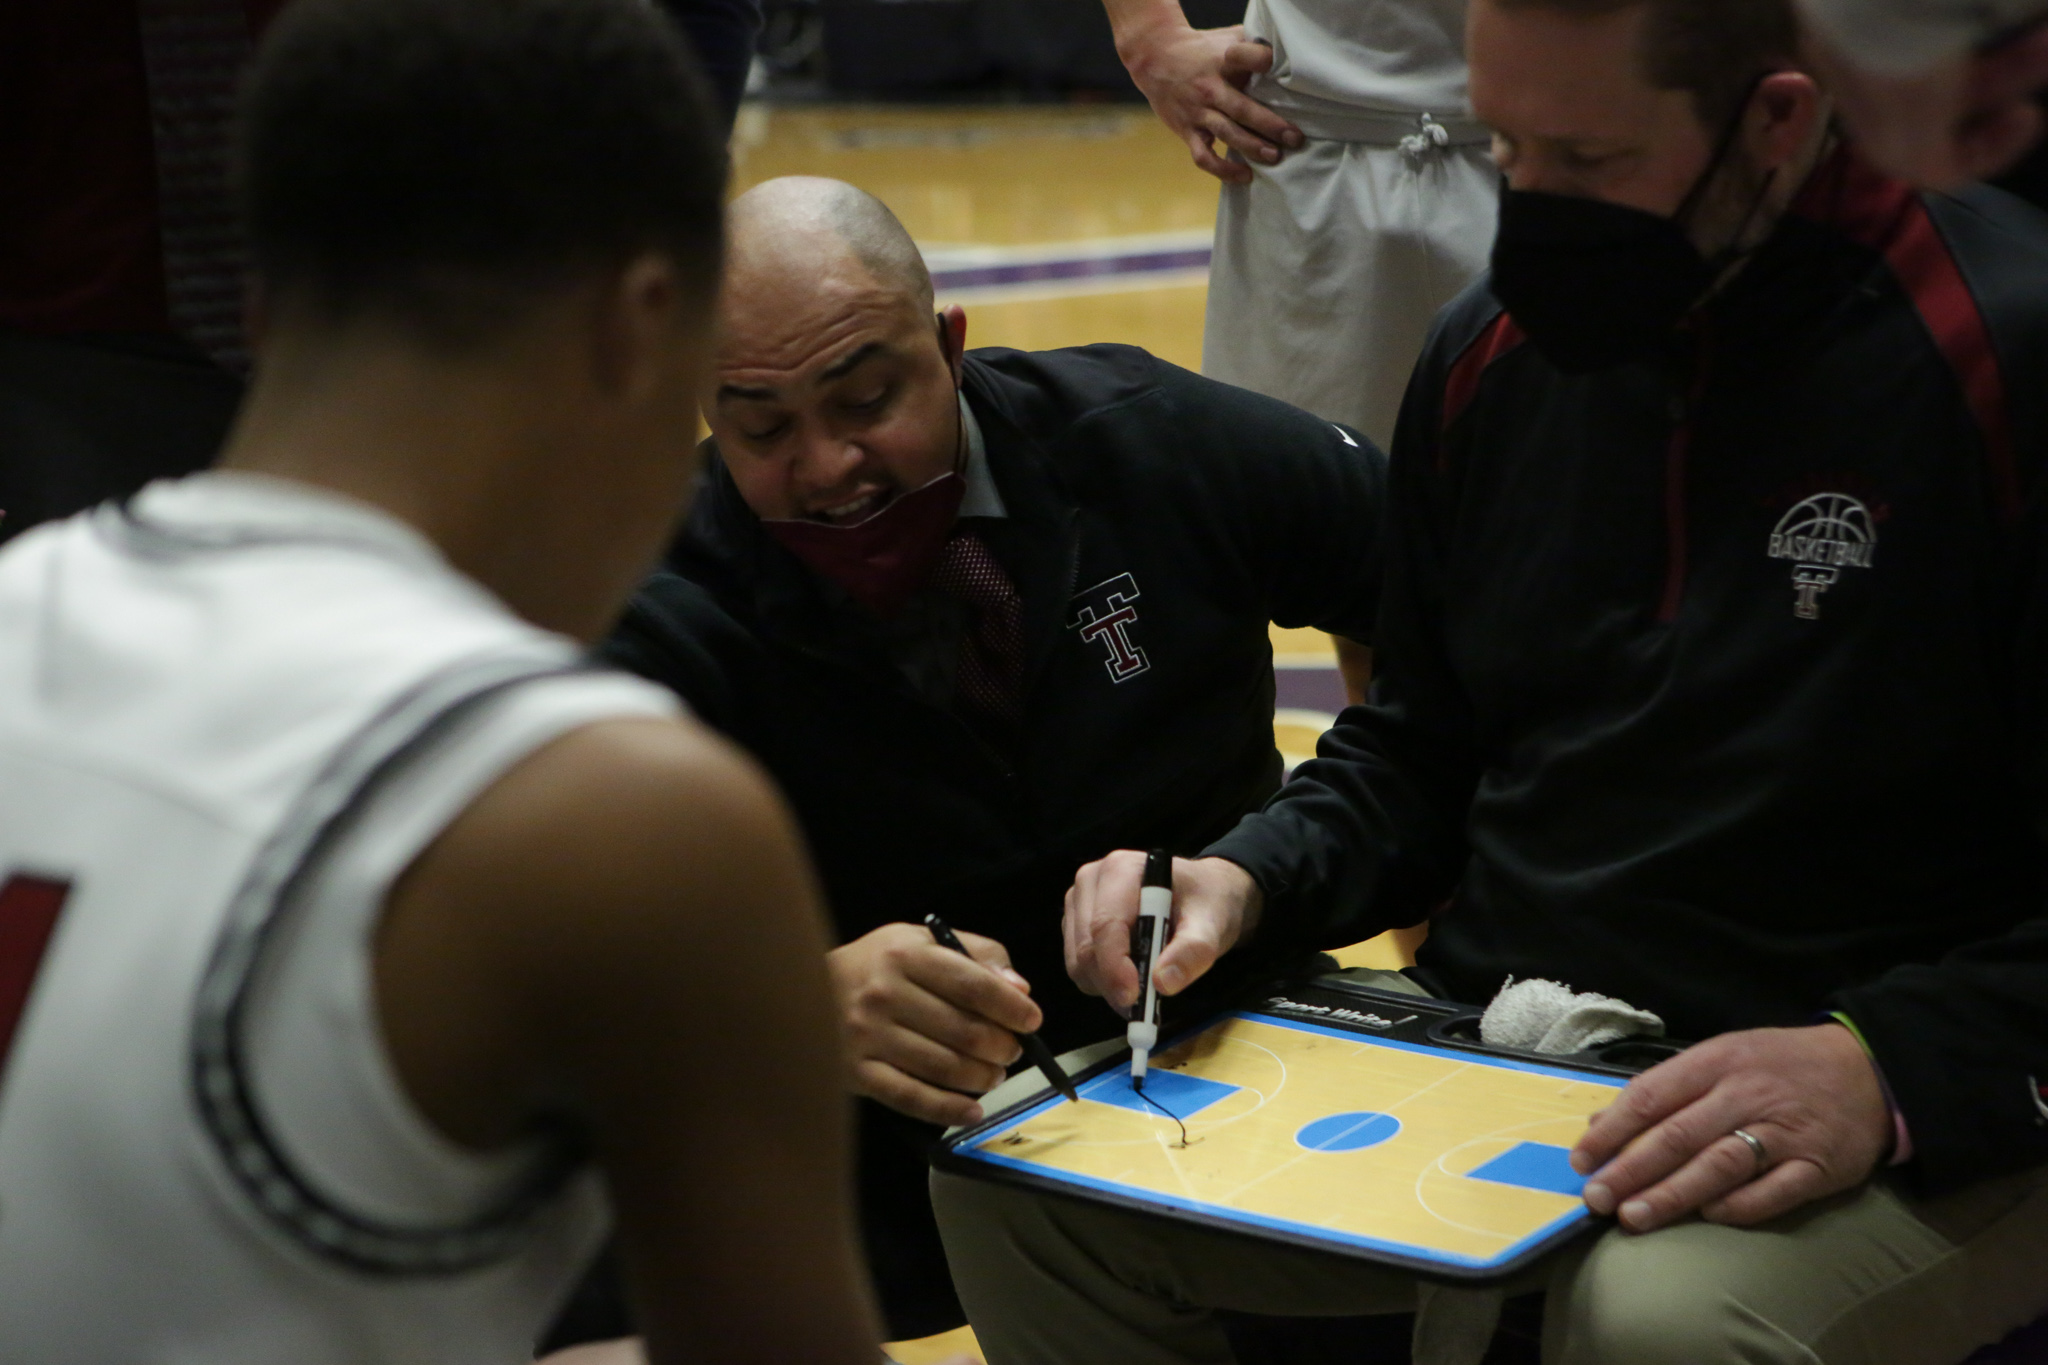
(1159, 868)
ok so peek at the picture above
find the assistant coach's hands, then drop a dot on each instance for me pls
(1215, 907)
(1666, 1146)
(925, 1024)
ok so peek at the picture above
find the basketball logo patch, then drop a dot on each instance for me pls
(1823, 535)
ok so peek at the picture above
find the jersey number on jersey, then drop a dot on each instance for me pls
(29, 907)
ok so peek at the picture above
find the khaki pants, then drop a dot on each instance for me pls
(1869, 1277)
(1329, 267)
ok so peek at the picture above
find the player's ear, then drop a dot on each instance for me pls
(636, 325)
(952, 321)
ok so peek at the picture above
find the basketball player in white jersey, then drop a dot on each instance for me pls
(361, 950)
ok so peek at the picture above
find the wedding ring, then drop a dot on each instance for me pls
(1756, 1149)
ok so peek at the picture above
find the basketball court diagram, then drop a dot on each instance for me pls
(1415, 1152)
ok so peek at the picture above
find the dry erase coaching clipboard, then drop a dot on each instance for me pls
(1354, 1121)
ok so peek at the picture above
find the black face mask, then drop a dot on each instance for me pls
(1595, 284)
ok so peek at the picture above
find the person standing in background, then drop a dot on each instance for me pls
(723, 34)
(1939, 92)
(121, 355)
(1358, 195)
(121, 351)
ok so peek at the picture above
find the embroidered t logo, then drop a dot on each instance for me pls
(1104, 614)
(1821, 535)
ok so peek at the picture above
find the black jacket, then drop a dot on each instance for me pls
(1208, 509)
(1716, 681)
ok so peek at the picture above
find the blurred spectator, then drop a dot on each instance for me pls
(1938, 92)
(1358, 195)
(121, 354)
(120, 337)
(723, 32)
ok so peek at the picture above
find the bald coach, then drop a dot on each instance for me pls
(985, 616)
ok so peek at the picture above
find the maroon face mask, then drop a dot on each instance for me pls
(883, 560)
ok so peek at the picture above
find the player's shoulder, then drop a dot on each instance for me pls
(253, 640)
(623, 811)
(669, 758)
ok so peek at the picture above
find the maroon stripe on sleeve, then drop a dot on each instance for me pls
(1461, 386)
(1890, 217)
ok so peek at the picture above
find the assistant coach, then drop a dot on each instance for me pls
(985, 617)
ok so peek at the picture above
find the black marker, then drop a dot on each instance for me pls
(1035, 1050)
(1148, 940)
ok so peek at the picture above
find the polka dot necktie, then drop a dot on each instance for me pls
(991, 667)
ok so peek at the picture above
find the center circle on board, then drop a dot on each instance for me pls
(1347, 1132)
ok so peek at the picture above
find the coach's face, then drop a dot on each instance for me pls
(835, 392)
(1573, 111)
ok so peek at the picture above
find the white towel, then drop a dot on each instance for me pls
(1544, 1016)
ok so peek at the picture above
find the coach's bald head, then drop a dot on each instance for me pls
(800, 222)
(835, 388)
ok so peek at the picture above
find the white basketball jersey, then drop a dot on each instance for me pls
(230, 716)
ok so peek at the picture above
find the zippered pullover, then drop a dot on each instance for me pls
(1716, 681)
(1205, 510)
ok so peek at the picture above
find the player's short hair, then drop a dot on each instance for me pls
(1715, 50)
(444, 162)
